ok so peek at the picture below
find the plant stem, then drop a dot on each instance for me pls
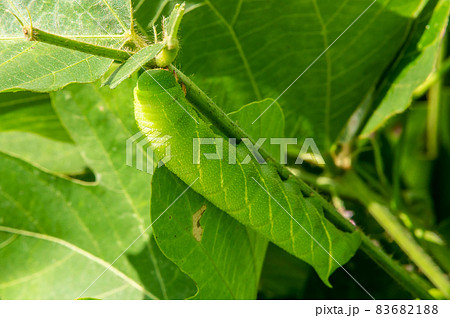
(395, 270)
(351, 186)
(434, 104)
(33, 34)
(377, 208)
(433, 109)
(209, 109)
(414, 286)
(379, 166)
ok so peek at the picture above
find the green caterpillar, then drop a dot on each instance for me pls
(237, 188)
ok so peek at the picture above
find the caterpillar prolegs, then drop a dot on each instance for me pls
(252, 193)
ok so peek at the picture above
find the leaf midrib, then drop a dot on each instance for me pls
(114, 13)
(238, 47)
(81, 252)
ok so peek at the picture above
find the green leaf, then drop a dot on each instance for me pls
(272, 126)
(133, 64)
(264, 46)
(30, 112)
(415, 171)
(51, 226)
(444, 117)
(412, 69)
(283, 276)
(415, 168)
(441, 248)
(48, 154)
(87, 298)
(148, 12)
(221, 255)
(231, 254)
(32, 131)
(43, 67)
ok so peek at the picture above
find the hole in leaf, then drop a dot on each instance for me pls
(197, 230)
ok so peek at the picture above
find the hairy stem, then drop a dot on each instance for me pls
(33, 34)
(399, 233)
(351, 186)
(394, 269)
(416, 286)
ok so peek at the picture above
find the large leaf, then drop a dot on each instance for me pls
(196, 232)
(30, 112)
(31, 130)
(221, 255)
(415, 65)
(51, 226)
(444, 117)
(261, 48)
(283, 276)
(43, 67)
(49, 154)
(270, 127)
(415, 171)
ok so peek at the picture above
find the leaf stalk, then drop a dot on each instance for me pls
(34, 34)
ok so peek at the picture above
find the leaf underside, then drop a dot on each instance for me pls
(43, 67)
